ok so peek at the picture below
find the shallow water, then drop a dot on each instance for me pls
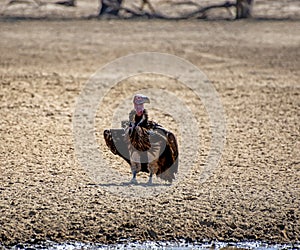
(151, 245)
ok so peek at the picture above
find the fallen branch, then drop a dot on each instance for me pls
(23, 2)
(146, 2)
(203, 10)
(186, 3)
(67, 3)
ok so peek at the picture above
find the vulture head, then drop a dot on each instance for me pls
(138, 101)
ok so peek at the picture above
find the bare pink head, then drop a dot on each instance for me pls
(138, 101)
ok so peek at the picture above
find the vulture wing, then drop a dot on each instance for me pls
(117, 143)
(167, 162)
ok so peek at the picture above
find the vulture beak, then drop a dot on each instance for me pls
(146, 99)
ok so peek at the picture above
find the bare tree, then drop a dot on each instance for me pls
(244, 8)
(112, 7)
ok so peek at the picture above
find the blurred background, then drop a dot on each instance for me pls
(215, 9)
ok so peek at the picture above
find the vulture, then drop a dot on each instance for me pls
(144, 144)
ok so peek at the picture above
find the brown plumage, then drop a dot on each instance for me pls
(150, 149)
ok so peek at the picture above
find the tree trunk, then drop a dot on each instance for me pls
(243, 8)
(110, 7)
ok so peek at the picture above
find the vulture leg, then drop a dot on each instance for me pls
(153, 168)
(133, 180)
(150, 178)
(135, 168)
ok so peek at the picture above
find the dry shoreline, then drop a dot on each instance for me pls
(45, 194)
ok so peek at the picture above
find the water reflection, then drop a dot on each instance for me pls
(154, 245)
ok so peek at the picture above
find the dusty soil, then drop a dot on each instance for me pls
(253, 194)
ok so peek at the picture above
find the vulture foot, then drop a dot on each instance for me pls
(133, 181)
(150, 181)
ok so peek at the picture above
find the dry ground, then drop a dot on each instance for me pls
(254, 193)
